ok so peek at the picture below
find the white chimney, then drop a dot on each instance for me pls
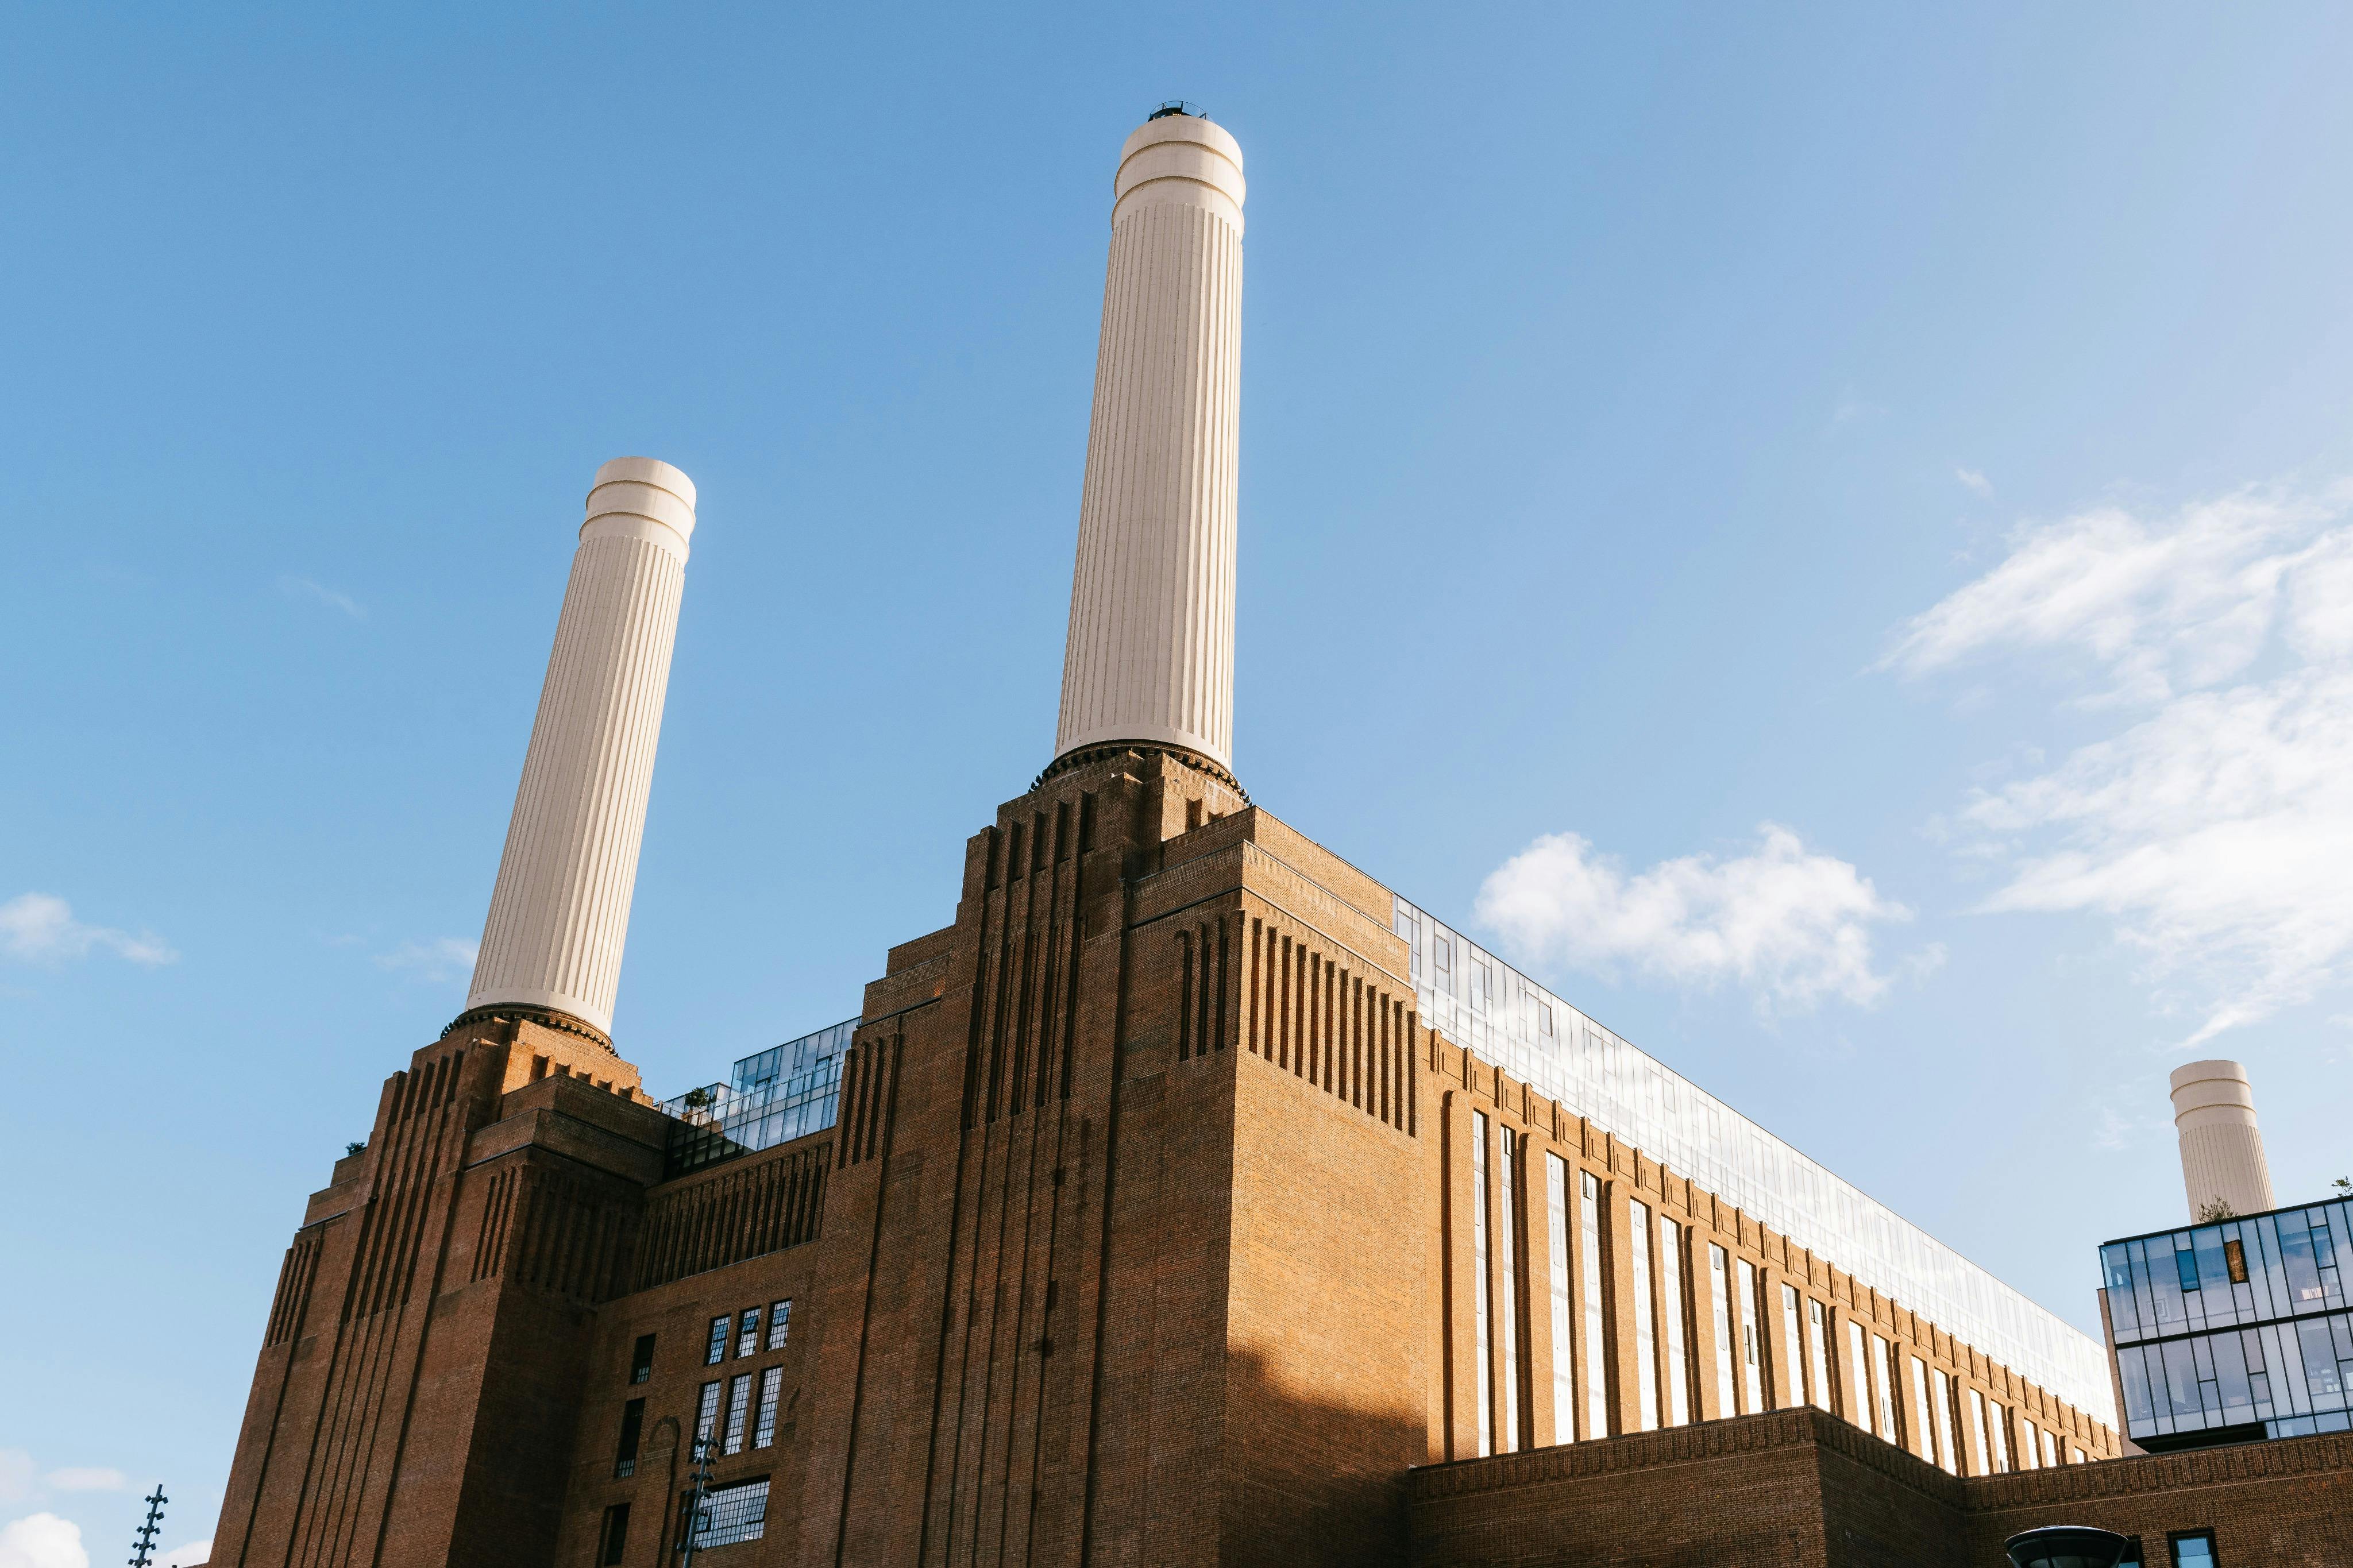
(561, 909)
(2221, 1152)
(1151, 651)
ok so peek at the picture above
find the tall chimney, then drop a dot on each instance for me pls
(561, 909)
(1151, 651)
(2221, 1152)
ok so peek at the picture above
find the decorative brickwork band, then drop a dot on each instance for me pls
(745, 1212)
(1314, 1017)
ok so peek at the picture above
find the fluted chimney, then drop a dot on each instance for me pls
(561, 909)
(2221, 1152)
(1151, 651)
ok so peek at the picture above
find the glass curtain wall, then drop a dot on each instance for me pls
(1507, 1019)
(2237, 1323)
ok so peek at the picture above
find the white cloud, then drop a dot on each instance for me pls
(1790, 926)
(16, 1475)
(442, 959)
(85, 1478)
(42, 1541)
(318, 593)
(2213, 828)
(40, 928)
(194, 1553)
(1974, 481)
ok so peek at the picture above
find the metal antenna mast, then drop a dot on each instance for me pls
(698, 1503)
(144, 1546)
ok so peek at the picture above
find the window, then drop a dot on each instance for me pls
(763, 1430)
(641, 1360)
(1588, 1227)
(706, 1412)
(1671, 1298)
(613, 1538)
(2234, 1257)
(2000, 1429)
(1944, 1453)
(1479, 1306)
(1793, 1391)
(1924, 1429)
(633, 1424)
(747, 1332)
(780, 1323)
(717, 1349)
(1858, 1376)
(1818, 1346)
(1752, 1350)
(1719, 1299)
(739, 1406)
(1564, 1385)
(729, 1514)
(2194, 1549)
(1646, 1344)
(1507, 1201)
(2049, 1451)
(1884, 1357)
(1977, 1434)
(2027, 1453)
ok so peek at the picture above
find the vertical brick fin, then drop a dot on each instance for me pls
(1184, 995)
(747, 1213)
(1247, 982)
(498, 1206)
(1228, 1024)
(1253, 968)
(862, 1133)
(293, 1299)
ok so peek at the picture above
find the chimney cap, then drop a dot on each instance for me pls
(1176, 106)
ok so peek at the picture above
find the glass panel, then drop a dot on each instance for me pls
(780, 1323)
(1793, 1376)
(1671, 1300)
(2181, 1379)
(2123, 1313)
(739, 1406)
(1480, 1198)
(2303, 1272)
(730, 1514)
(786, 1092)
(1883, 1354)
(2320, 1374)
(1977, 1434)
(1924, 1426)
(1646, 1348)
(2140, 1414)
(1728, 1356)
(1946, 1453)
(1507, 1201)
(1752, 1358)
(1597, 1376)
(763, 1431)
(716, 1351)
(2193, 1551)
(1564, 1385)
(747, 1334)
(1818, 1351)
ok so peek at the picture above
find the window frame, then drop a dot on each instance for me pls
(2173, 1540)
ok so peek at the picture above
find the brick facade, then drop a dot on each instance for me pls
(1143, 1236)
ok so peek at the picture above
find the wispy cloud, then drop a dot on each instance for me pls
(192, 1556)
(318, 593)
(440, 959)
(1790, 926)
(39, 927)
(42, 1541)
(1973, 481)
(16, 1473)
(2213, 828)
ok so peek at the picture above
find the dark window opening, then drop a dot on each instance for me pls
(616, 1534)
(641, 1360)
(633, 1421)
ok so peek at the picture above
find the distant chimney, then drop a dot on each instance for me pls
(2222, 1164)
(1151, 651)
(561, 909)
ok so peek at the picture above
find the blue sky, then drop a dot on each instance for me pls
(1820, 531)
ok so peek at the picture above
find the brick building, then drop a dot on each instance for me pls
(1189, 1198)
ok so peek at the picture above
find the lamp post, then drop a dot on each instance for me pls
(142, 1545)
(698, 1502)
